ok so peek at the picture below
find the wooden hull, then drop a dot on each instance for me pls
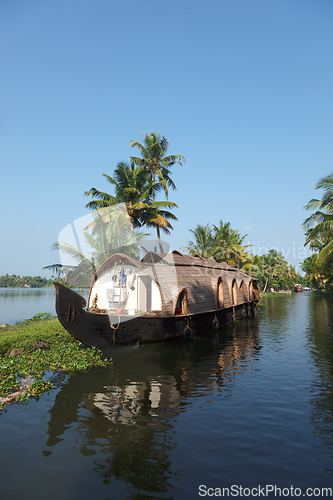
(102, 330)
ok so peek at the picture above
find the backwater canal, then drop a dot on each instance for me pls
(244, 407)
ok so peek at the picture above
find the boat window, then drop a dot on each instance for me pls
(241, 290)
(181, 304)
(220, 293)
(255, 291)
(251, 291)
(234, 293)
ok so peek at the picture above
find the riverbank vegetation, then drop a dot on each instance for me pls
(34, 350)
(318, 228)
(225, 244)
(14, 281)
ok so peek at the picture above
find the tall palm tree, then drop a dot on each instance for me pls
(130, 184)
(221, 242)
(319, 226)
(228, 245)
(202, 243)
(155, 160)
(133, 188)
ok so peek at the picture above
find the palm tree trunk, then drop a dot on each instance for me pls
(154, 198)
(159, 240)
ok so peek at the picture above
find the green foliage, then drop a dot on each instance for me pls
(14, 281)
(133, 206)
(272, 271)
(220, 242)
(111, 231)
(225, 244)
(157, 164)
(23, 374)
(137, 184)
(319, 237)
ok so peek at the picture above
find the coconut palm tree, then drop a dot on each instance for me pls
(133, 187)
(202, 243)
(228, 245)
(110, 232)
(272, 265)
(221, 242)
(155, 160)
(319, 226)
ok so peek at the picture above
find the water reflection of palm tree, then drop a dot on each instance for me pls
(124, 413)
(320, 343)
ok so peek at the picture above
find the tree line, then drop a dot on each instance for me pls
(14, 281)
(225, 244)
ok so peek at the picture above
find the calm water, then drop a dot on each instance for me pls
(18, 304)
(250, 406)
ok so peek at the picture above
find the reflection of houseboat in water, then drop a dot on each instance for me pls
(163, 296)
(124, 414)
(155, 380)
(159, 392)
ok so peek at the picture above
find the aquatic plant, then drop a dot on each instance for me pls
(34, 348)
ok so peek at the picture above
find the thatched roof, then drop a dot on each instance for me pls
(200, 277)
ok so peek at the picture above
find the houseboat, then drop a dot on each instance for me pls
(160, 297)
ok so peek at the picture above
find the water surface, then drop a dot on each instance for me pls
(249, 405)
(18, 304)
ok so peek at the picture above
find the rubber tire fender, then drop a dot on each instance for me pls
(187, 333)
(215, 323)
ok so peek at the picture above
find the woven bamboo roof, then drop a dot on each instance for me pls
(174, 272)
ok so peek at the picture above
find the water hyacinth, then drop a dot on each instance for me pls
(31, 349)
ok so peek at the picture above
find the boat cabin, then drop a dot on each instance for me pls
(168, 285)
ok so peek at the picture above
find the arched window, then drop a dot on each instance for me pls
(220, 293)
(242, 292)
(181, 304)
(234, 292)
(255, 291)
(251, 291)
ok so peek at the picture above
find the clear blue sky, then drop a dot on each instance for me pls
(242, 89)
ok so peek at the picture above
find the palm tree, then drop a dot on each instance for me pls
(319, 226)
(221, 242)
(272, 265)
(133, 188)
(110, 232)
(228, 245)
(155, 160)
(202, 243)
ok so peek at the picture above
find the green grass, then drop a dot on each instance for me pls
(272, 294)
(22, 376)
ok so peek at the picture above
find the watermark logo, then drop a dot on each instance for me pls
(102, 252)
(268, 490)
